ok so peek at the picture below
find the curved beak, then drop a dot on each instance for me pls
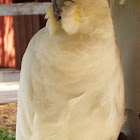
(57, 8)
(57, 5)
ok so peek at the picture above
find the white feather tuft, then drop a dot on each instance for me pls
(70, 21)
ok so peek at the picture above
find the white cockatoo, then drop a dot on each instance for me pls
(71, 84)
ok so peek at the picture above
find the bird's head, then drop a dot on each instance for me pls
(76, 16)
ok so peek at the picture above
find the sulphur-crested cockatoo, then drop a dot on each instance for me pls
(71, 84)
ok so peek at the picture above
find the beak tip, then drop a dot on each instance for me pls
(57, 16)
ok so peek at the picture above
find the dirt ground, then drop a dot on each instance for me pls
(8, 116)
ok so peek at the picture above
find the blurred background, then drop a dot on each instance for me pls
(126, 19)
(16, 32)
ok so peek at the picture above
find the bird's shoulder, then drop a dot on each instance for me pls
(38, 41)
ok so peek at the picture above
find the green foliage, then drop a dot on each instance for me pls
(6, 135)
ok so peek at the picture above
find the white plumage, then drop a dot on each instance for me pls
(71, 84)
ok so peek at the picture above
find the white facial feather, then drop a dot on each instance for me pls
(70, 22)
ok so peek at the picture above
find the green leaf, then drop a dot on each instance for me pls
(6, 135)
